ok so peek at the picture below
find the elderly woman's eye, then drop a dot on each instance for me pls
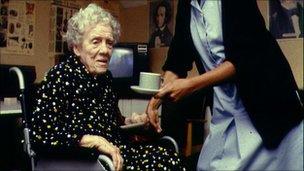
(110, 43)
(95, 41)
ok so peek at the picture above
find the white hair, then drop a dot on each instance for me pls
(91, 15)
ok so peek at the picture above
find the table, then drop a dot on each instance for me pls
(6, 109)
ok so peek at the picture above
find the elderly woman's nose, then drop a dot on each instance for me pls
(103, 48)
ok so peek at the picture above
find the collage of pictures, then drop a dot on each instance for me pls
(17, 20)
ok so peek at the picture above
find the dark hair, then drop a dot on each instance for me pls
(167, 6)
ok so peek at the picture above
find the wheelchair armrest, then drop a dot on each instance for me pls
(61, 164)
(172, 141)
(106, 160)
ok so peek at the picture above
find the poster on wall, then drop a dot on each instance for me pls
(161, 25)
(286, 18)
(61, 12)
(17, 27)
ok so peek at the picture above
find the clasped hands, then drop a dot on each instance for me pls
(172, 90)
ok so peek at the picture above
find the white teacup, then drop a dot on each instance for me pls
(149, 80)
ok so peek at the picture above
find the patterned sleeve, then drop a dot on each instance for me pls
(51, 124)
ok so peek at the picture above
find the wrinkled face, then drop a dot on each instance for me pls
(96, 48)
(160, 16)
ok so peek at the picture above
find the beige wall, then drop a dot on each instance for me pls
(135, 26)
(292, 48)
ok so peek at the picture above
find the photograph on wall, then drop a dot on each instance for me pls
(58, 25)
(286, 18)
(161, 25)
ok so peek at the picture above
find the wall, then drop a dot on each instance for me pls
(134, 24)
(292, 48)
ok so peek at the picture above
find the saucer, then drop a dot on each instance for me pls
(140, 90)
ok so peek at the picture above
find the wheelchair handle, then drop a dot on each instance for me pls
(20, 76)
(107, 160)
(170, 139)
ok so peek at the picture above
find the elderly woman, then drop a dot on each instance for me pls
(77, 107)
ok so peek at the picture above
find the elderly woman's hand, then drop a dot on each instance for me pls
(176, 89)
(136, 118)
(103, 146)
(152, 110)
(154, 103)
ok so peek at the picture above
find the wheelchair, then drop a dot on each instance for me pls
(53, 163)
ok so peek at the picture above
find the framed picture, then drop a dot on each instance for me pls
(161, 24)
(286, 18)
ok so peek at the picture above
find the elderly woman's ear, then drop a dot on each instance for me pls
(76, 50)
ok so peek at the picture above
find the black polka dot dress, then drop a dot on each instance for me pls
(71, 103)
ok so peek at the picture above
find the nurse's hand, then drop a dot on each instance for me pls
(177, 89)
